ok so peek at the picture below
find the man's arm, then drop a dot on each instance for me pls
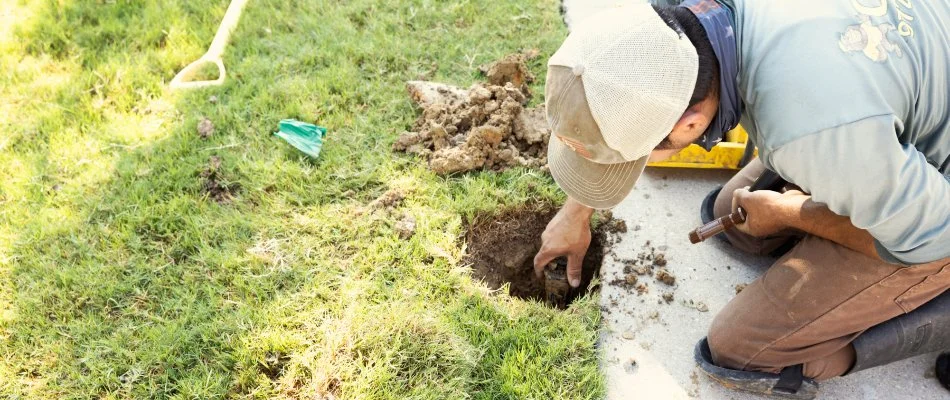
(771, 212)
(888, 188)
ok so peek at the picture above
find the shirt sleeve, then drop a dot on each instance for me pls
(888, 188)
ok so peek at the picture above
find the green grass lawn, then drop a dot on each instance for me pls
(121, 278)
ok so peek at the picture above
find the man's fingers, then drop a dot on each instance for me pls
(737, 196)
(574, 267)
(541, 260)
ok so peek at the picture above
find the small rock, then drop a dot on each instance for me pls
(698, 306)
(628, 335)
(213, 99)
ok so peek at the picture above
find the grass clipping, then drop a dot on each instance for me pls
(485, 127)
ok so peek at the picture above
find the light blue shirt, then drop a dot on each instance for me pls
(850, 99)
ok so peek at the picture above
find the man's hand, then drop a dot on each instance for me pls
(767, 212)
(567, 235)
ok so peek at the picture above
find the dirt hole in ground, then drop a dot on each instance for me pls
(501, 250)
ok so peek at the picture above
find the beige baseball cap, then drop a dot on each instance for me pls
(614, 91)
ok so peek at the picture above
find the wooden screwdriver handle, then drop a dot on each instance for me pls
(717, 226)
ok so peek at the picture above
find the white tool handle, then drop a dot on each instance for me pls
(214, 53)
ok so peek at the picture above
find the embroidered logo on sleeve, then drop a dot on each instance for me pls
(872, 39)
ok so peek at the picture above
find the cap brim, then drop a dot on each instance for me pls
(595, 185)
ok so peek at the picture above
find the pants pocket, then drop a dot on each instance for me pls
(919, 294)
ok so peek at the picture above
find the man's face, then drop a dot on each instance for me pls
(676, 141)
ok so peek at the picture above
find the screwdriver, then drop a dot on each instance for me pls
(717, 226)
(769, 180)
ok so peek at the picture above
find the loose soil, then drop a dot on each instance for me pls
(485, 127)
(512, 69)
(390, 199)
(666, 277)
(501, 250)
(649, 262)
(215, 185)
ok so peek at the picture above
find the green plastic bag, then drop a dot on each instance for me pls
(307, 138)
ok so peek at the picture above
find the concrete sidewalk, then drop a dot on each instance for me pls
(659, 337)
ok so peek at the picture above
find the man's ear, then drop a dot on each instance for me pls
(692, 123)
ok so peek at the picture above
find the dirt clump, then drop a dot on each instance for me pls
(501, 250)
(205, 128)
(510, 69)
(642, 289)
(406, 227)
(390, 199)
(668, 297)
(614, 225)
(646, 261)
(627, 282)
(666, 277)
(485, 127)
(214, 183)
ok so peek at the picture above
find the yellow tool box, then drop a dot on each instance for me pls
(728, 154)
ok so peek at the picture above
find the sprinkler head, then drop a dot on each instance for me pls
(556, 287)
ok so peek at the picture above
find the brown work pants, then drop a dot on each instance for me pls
(813, 301)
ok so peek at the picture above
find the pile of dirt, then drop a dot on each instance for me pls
(485, 127)
(512, 69)
(501, 251)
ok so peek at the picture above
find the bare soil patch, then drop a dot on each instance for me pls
(501, 251)
(215, 185)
